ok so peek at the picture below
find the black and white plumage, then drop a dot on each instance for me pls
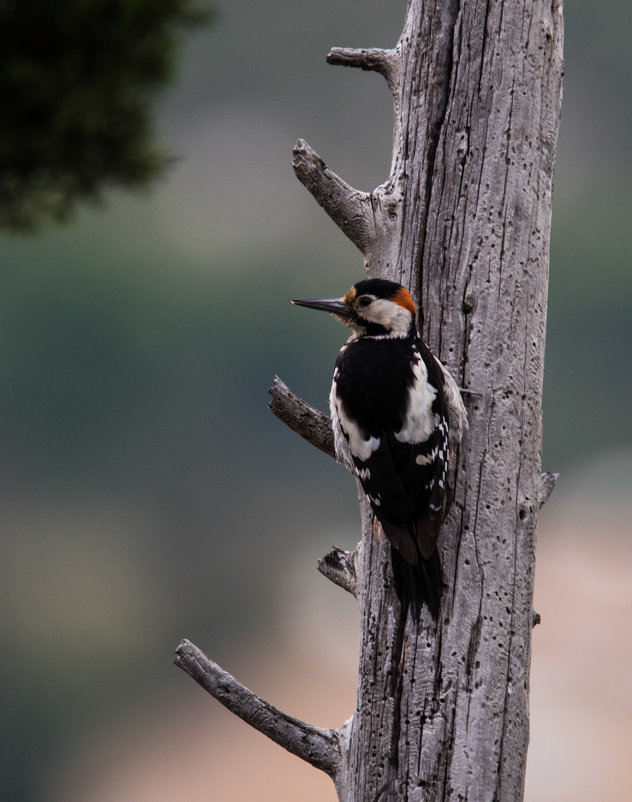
(397, 414)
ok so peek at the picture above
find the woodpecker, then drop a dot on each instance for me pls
(397, 415)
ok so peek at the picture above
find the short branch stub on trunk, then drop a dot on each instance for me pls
(386, 62)
(547, 485)
(339, 567)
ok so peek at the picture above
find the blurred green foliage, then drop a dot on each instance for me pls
(76, 83)
(147, 487)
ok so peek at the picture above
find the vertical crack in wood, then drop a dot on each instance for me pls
(432, 145)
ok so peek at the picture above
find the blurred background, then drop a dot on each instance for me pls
(148, 494)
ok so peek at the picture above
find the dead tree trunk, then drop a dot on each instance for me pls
(463, 220)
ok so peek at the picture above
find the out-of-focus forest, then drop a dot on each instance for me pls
(148, 494)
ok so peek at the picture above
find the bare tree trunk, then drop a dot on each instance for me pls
(463, 220)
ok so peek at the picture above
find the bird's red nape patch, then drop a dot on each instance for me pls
(350, 296)
(402, 298)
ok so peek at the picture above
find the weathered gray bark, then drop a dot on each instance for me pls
(313, 744)
(463, 220)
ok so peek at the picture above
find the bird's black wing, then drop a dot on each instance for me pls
(405, 483)
(392, 504)
(415, 561)
(394, 421)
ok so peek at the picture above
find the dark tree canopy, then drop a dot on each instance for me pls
(76, 82)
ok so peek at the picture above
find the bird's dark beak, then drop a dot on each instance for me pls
(334, 305)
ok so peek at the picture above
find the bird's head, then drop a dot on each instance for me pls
(373, 307)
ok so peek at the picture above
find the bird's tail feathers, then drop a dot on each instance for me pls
(418, 584)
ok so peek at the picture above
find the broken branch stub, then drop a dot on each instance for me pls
(349, 208)
(304, 419)
(339, 567)
(316, 746)
(386, 62)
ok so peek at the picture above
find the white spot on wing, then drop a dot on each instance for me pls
(348, 438)
(420, 420)
(341, 441)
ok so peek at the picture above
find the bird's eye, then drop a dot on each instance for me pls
(364, 300)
